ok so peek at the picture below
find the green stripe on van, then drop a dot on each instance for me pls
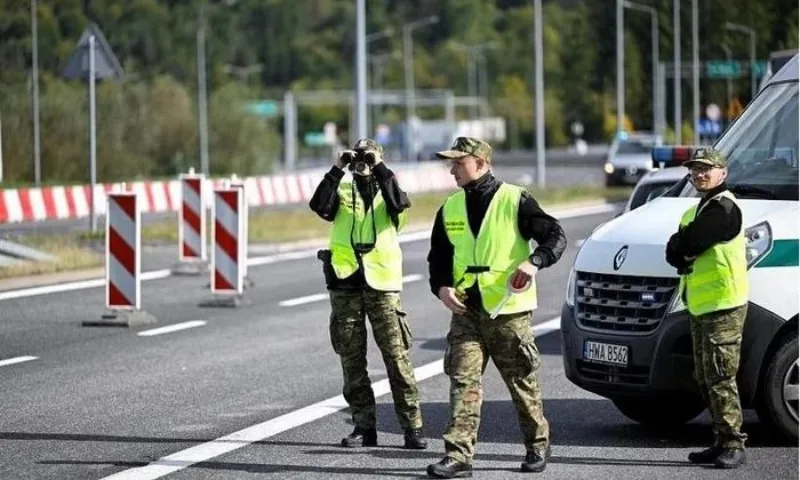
(784, 253)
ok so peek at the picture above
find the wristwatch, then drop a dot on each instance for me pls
(536, 260)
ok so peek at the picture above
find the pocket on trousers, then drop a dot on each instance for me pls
(725, 346)
(405, 330)
(341, 334)
(447, 354)
(530, 355)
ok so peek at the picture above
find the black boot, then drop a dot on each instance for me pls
(536, 460)
(449, 467)
(414, 440)
(709, 455)
(730, 458)
(361, 437)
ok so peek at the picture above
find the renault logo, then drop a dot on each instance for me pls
(619, 258)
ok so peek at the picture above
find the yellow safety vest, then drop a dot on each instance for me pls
(383, 265)
(498, 250)
(718, 280)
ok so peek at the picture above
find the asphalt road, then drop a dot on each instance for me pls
(99, 401)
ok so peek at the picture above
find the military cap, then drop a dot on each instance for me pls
(708, 156)
(463, 146)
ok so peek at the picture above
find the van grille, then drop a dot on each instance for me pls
(622, 303)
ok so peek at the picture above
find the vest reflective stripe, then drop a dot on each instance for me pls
(383, 265)
(718, 280)
(498, 247)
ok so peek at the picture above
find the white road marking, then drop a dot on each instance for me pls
(262, 431)
(15, 360)
(318, 297)
(171, 328)
(266, 260)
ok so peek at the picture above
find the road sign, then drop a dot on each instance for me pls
(263, 108)
(315, 139)
(106, 64)
(92, 59)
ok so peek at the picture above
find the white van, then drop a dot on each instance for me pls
(625, 332)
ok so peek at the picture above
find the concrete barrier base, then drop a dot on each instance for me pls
(122, 318)
(232, 301)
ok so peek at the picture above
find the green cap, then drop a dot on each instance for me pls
(708, 156)
(368, 145)
(463, 146)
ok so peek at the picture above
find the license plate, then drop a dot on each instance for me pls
(605, 353)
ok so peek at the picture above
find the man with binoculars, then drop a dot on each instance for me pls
(363, 270)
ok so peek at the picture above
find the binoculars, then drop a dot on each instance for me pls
(358, 161)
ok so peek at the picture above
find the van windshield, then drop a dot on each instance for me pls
(762, 147)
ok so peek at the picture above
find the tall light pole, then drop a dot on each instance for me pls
(37, 149)
(202, 95)
(741, 28)
(361, 69)
(539, 91)
(676, 48)
(620, 66)
(408, 55)
(695, 74)
(378, 64)
(654, 41)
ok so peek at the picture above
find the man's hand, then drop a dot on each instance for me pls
(377, 158)
(524, 275)
(339, 160)
(448, 296)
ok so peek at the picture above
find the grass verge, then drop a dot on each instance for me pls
(83, 251)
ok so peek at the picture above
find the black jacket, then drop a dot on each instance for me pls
(532, 221)
(325, 203)
(719, 221)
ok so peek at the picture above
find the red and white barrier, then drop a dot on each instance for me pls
(123, 252)
(192, 215)
(68, 202)
(227, 274)
(123, 262)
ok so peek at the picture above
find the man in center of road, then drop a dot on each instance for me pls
(480, 246)
(364, 272)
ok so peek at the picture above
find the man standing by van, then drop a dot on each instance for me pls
(479, 249)
(709, 252)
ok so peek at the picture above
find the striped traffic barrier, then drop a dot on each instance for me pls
(192, 241)
(123, 262)
(227, 274)
(236, 182)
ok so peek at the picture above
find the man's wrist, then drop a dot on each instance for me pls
(536, 261)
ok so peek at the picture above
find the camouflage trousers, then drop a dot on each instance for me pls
(717, 341)
(348, 331)
(508, 340)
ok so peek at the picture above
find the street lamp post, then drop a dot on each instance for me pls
(37, 149)
(539, 90)
(741, 28)
(476, 72)
(654, 41)
(677, 71)
(408, 55)
(361, 69)
(620, 66)
(695, 74)
(202, 95)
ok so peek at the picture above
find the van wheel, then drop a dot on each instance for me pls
(658, 411)
(778, 406)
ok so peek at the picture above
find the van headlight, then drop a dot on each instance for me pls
(571, 287)
(758, 241)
